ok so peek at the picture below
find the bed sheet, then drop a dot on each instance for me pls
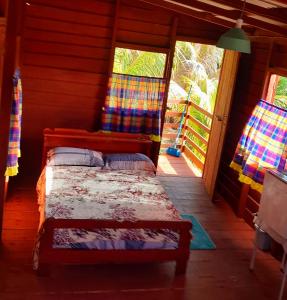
(79, 192)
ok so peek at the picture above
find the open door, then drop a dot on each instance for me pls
(220, 119)
(191, 102)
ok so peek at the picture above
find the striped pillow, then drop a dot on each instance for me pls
(128, 161)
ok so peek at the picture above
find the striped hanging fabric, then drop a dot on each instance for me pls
(262, 146)
(15, 127)
(134, 105)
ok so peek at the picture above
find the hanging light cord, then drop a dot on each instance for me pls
(243, 9)
(239, 21)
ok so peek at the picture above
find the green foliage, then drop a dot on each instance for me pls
(140, 63)
(282, 86)
(197, 66)
(280, 98)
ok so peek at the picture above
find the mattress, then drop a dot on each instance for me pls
(79, 192)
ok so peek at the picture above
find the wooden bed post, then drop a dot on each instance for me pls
(183, 247)
(46, 243)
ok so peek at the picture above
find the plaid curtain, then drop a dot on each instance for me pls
(15, 127)
(262, 145)
(133, 104)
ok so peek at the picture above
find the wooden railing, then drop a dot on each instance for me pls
(194, 134)
(170, 125)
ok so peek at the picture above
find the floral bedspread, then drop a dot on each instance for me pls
(78, 192)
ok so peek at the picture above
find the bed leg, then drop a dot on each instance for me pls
(181, 266)
(43, 270)
(252, 261)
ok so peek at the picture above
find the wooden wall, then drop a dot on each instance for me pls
(278, 57)
(143, 25)
(65, 54)
(249, 89)
(66, 58)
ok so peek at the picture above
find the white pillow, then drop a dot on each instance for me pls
(71, 156)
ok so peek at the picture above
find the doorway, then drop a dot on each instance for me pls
(191, 99)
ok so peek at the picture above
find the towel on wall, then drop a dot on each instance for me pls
(15, 127)
(134, 105)
(262, 145)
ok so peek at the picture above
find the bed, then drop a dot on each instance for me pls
(92, 215)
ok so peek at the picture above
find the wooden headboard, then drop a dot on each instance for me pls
(114, 142)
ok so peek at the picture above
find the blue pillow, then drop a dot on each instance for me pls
(128, 161)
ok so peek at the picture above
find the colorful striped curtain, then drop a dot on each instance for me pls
(262, 146)
(15, 127)
(134, 105)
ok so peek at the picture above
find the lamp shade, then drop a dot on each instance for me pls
(234, 39)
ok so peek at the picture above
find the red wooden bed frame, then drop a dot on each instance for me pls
(107, 143)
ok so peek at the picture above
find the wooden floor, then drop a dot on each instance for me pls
(176, 166)
(212, 274)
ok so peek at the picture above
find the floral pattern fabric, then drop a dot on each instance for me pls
(78, 192)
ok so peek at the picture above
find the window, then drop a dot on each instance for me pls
(277, 90)
(139, 63)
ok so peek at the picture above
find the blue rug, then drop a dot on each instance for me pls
(200, 238)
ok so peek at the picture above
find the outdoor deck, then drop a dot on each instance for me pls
(212, 274)
(176, 166)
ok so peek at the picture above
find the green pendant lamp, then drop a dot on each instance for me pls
(235, 38)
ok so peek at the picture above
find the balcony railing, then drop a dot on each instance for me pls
(195, 131)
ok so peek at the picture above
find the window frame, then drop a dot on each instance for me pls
(270, 72)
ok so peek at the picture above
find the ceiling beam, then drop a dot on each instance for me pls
(277, 14)
(233, 14)
(187, 10)
(278, 3)
(208, 12)
(265, 25)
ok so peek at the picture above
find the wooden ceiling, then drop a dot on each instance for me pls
(267, 15)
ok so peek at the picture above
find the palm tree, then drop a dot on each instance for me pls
(140, 63)
(280, 98)
(198, 66)
(195, 66)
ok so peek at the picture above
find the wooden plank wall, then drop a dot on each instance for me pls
(3, 4)
(278, 58)
(251, 77)
(65, 55)
(199, 30)
(143, 25)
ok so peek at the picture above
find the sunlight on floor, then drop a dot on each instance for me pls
(197, 172)
(176, 166)
(165, 166)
